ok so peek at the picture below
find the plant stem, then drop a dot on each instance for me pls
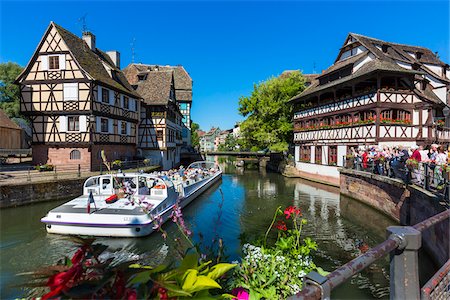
(271, 225)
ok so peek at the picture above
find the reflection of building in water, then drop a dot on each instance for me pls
(266, 188)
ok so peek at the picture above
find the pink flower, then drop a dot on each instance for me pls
(240, 293)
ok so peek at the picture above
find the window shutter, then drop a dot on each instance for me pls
(98, 124)
(70, 91)
(44, 62)
(62, 123)
(128, 128)
(99, 93)
(110, 126)
(132, 104)
(83, 124)
(62, 61)
(111, 97)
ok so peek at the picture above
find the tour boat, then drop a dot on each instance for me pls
(130, 204)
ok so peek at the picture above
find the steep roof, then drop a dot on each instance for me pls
(155, 90)
(6, 122)
(398, 51)
(92, 62)
(385, 57)
(182, 79)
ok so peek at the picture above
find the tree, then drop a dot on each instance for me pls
(9, 92)
(269, 116)
(230, 144)
(195, 139)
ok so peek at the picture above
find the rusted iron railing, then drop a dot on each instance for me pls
(402, 244)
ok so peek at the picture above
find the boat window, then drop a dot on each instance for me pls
(145, 185)
(106, 183)
(91, 182)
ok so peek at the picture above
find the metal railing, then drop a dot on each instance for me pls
(9, 174)
(403, 244)
(427, 175)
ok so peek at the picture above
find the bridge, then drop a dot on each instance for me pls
(240, 154)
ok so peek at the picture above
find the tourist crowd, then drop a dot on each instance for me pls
(407, 163)
(186, 176)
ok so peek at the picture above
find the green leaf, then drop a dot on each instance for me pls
(189, 279)
(175, 291)
(203, 283)
(190, 261)
(220, 269)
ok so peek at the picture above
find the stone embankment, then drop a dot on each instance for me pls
(17, 189)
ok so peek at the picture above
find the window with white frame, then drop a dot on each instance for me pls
(53, 62)
(73, 123)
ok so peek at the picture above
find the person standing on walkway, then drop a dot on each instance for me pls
(417, 157)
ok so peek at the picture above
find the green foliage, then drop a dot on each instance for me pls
(276, 271)
(268, 123)
(9, 92)
(195, 139)
(230, 144)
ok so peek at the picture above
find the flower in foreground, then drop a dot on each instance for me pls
(291, 210)
(240, 293)
(281, 226)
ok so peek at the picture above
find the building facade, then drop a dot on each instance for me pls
(210, 140)
(79, 102)
(183, 90)
(160, 125)
(376, 93)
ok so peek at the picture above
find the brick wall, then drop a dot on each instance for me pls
(113, 152)
(60, 157)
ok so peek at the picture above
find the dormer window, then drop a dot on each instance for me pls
(53, 62)
(142, 77)
(384, 48)
(419, 55)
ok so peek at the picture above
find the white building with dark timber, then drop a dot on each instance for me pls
(376, 93)
(79, 102)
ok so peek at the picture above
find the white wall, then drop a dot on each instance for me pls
(331, 171)
(313, 154)
(341, 151)
(297, 153)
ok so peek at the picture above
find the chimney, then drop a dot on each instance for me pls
(89, 38)
(115, 57)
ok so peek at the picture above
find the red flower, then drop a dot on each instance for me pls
(130, 294)
(281, 226)
(291, 210)
(79, 255)
(62, 281)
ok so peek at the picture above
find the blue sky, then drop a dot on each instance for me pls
(226, 46)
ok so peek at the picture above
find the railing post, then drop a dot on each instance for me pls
(54, 173)
(79, 170)
(404, 263)
(314, 278)
(426, 179)
(29, 175)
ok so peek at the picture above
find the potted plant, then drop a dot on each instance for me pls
(412, 164)
(349, 161)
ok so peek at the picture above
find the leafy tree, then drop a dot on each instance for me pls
(9, 92)
(195, 139)
(269, 116)
(229, 145)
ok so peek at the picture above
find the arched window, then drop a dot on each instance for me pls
(75, 154)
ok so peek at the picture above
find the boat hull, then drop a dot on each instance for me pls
(127, 230)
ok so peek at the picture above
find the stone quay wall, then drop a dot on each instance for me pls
(17, 194)
(408, 204)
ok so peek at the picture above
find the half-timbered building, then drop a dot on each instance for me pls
(183, 90)
(376, 93)
(160, 125)
(78, 100)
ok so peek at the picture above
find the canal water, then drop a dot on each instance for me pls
(243, 203)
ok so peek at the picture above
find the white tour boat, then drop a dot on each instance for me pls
(127, 204)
